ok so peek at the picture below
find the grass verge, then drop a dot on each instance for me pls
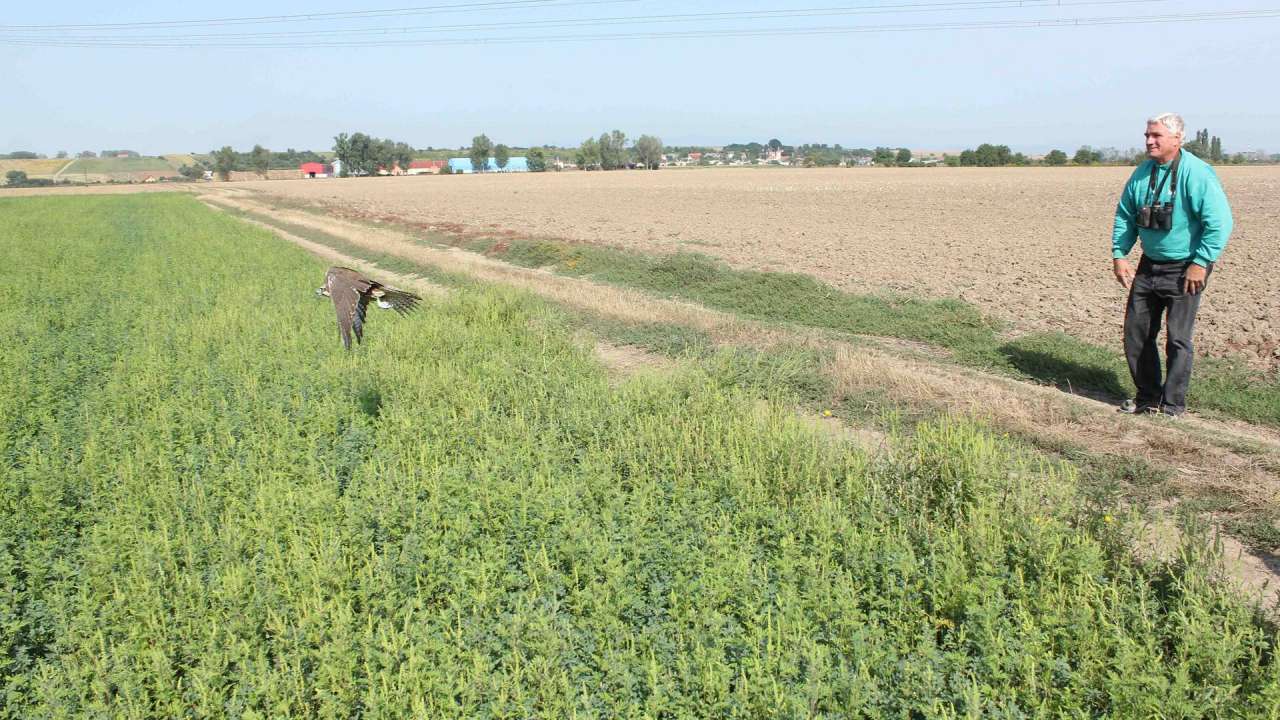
(1221, 387)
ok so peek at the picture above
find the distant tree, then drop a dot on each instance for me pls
(224, 161)
(62, 155)
(260, 160)
(649, 151)
(446, 170)
(951, 160)
(1205, 147)
(342, 151)
(1018, 159)
(993, 155)
(1087, 156)
(481, 146)
(193, 172)
(775, 144)
(15, 178)
(87, 154)
(501, 155)
(363, 155)
(537, 160)
(903, 157)
(613, 150)
(588, 155)
(1055, 157)
(884, 156)
(22, 155)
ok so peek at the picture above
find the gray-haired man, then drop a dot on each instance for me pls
(1174, 203)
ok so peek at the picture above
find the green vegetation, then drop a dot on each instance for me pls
(208, 508)
(106, 165)
(362, 155)
(648, 151)
(481, 146)
(1205, 147)
(973, 339)
(537, 160)
(224, 161)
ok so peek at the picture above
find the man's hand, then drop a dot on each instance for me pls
(1124, 272)
(1194, 282)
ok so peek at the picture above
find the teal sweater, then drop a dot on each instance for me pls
(1201, 216)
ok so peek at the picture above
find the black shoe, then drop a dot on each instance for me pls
(1131, 407)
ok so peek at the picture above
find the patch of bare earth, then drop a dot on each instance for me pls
(1203, 455)
(1028, 245)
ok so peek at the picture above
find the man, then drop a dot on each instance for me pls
(1174, 203)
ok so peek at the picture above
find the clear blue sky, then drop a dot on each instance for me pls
(1033, 89)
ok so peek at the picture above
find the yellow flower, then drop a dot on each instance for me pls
(1108, 519)
(826, 413)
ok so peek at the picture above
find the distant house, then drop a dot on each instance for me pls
(315, 170)
(424, 167)
(515, 164)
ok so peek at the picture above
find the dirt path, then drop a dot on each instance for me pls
(1028, 245)
(1202, 456)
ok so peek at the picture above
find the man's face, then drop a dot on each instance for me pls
(1162, 143)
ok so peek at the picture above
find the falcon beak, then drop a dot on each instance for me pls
(321, 292)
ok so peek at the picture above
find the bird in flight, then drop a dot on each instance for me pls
(351, 293)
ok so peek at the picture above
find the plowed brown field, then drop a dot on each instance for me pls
(1029, 245)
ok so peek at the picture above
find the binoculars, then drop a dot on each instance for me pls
(1156, 217)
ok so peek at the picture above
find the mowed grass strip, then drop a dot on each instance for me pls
(1219, 386)
(207, 508)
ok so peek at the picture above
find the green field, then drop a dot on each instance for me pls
(103, 166)
(209, 509)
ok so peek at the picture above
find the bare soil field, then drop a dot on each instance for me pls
(1029, 245)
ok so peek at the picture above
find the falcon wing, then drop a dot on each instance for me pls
(349, 293)
(401, 301)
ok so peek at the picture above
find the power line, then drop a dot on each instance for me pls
(693, 34)
(321, 17)
(889, 8)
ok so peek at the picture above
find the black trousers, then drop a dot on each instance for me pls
(1158, 288)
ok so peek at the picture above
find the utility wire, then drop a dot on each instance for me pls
(883, 9)
(323, 16)
(692, 34)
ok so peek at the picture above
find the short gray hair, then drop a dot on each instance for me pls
(1172, 121)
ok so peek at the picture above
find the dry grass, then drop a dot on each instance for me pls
(33, 168)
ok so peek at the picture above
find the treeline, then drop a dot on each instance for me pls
(226, 160)
(610, 152)
(18, 178)
(360, 155)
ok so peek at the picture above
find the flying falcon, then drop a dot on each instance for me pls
(351, 293)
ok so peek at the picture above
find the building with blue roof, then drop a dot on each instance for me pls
(515, 164)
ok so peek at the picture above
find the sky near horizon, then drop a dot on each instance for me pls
(932, 88)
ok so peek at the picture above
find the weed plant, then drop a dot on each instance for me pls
(209, 509)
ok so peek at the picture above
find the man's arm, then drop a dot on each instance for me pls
(1209, 203)
(1124, 234)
